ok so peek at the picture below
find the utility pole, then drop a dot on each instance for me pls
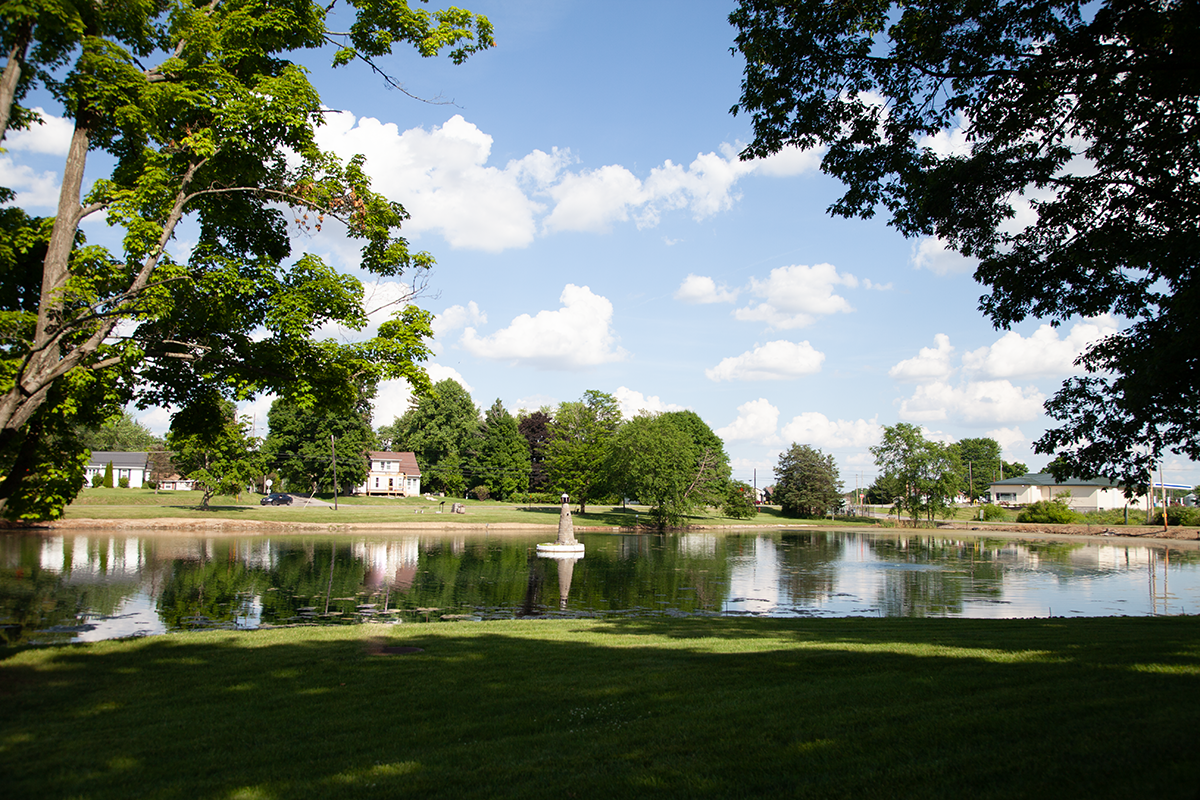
(333, 447)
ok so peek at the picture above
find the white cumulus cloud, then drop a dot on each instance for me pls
(631, 402)
(974, 402)
(1044, 353)
(778, 360)
(931, 363)
(700, 289)
(756, 421)
(575, 336)
(52, 137)
(934, 255)
(795, 296)
(814, 428)
(1008, 438)
(392, 397)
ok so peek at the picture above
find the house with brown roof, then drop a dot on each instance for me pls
(392, 475)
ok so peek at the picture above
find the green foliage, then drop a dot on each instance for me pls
(652, 459)
(1188, 516)
(503, 455)
(441, 429)
(1077, 121)
(298, 443)
(123, 483)
(204, 118)
(481, 493)
(992, 512)
(108, 475)
(97, 481)
(1051, 512)
(121, 434)
(576, 453)
(739, 501)
(710, 481)
(221, 458)
(980, 465)
(806, 482)
(928, 471)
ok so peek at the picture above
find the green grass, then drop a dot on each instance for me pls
(145, 504)
(1087, 708)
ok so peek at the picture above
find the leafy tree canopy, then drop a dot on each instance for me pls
(223, 459)
(535, 427)
(926, 472)
(652, 458)
(441, 429)
(122, 433)
(807, 483)
(579, 440)
(1074, 175)
(503, 463)
(710, 473)
(205, 117)
(980, 461)
(299, 446)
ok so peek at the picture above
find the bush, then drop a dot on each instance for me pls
(97, 481)
(123, 483)
(992, 512)
(108, 475)
(739, 501)
(1188, 516)
(1050, 512)
(480, 493)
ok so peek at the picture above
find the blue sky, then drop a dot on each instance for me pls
(594, 229)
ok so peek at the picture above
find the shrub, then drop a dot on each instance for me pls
(108, 476)
(1188, 516)
(123, 483)
(739, 501)
(97, 481)
(481, 493)
(992, 512)
(1053, 512)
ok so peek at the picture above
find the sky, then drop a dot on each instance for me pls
(594, 228)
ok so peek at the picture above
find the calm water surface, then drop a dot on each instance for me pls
(86, 586)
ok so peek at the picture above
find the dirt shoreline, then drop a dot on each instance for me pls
(167, 526)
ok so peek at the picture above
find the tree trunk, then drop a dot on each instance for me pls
(12, 76)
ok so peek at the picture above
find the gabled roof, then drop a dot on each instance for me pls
(119, 460)
(1046, 479)
(408, 461)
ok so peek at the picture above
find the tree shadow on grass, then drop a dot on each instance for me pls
(636, 707)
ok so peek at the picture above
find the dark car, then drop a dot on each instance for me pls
(276, 499)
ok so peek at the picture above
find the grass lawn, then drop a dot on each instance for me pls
(1061, 708)
(145, 504)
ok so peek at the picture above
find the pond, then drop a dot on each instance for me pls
(71, 587)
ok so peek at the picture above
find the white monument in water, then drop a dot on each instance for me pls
(566, 545)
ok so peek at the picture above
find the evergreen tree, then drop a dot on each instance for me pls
(806, 482)
(503, 464)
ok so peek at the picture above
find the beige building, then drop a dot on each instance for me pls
(392, 474)
(1096, 494)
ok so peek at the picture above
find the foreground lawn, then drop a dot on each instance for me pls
(1082, 708)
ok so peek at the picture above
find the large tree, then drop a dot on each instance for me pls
(980, 462)
(651, 457)
(535, 427)
(206, 118)
(442, 429)
(709, 483)
(579, 440)
(503, 461)
(302, 443)
(121, 433)
(223, 459)
(1072, 174)
(926, 472)
(807, 483)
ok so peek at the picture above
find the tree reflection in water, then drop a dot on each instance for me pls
(54, 588)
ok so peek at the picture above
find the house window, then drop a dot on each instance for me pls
(377, 483)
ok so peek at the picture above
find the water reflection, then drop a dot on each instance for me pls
(78, 587)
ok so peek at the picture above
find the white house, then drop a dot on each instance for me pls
(1096, 494)
(134, 466)
(392, 474)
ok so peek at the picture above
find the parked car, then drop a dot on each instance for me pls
(276, 499)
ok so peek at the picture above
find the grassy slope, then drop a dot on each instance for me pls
(1087, 708)
(145, 504)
